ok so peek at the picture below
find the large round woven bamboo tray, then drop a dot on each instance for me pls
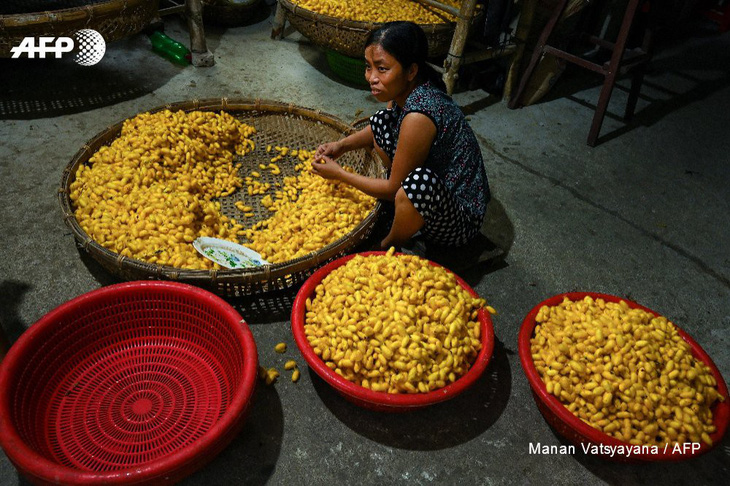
(348, 36)
(276, 124)
(113, 19)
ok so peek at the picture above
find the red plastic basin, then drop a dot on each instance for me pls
(382, 401)
(135, 383)
(577, 431)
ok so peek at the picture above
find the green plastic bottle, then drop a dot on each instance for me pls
(170, 48)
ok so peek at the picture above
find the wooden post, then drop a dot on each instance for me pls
(277, 30)
(202, 57)
(524, 26)
(453, 59)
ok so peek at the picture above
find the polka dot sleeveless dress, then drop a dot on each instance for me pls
(450, 191)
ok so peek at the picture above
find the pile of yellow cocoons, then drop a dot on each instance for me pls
(151, 192)
(156, 188)
(625, 372)
(310, 212)
(377, 11)
(394, 323)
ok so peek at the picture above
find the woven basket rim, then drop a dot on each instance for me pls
(231, 276)
(360, 25)
(67, 14)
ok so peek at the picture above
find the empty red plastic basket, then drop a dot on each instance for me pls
(137, 383)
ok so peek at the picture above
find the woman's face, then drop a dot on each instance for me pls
(388, 80)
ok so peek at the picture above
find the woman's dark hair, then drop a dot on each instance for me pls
(407, 43)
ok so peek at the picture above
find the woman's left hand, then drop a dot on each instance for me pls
(327, 168)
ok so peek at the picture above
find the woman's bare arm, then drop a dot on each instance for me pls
(417, 133)
(360, 139)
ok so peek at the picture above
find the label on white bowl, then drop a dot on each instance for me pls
(228, 254)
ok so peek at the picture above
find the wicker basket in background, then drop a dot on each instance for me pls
(348, 36)
(276, 124)
(113, 19)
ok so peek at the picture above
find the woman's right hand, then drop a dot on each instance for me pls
(332, 150)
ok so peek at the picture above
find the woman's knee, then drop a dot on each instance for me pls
(402, 199)
(406, 221)
(405, 207)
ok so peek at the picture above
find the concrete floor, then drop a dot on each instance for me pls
(646, 214)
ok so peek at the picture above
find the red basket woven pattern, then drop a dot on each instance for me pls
(131, 378)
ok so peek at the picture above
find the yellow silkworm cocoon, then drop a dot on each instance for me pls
(271, 375)
(290, 365)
